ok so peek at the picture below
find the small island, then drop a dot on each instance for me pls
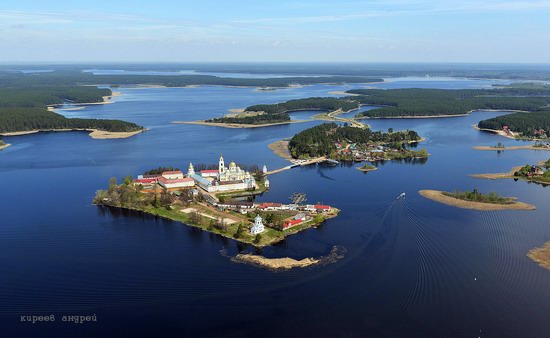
(541, 255)
(287, 263)
(284, 263)
(366, 168)
(475, 200)
(210, 198)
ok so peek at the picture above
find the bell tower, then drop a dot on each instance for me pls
(221, 165)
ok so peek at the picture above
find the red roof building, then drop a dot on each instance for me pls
(176, 183)
(268, 205)
(321, 207)
(291, 223)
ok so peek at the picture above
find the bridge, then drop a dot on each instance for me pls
(297, 164)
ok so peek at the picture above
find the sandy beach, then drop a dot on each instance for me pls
(438, 196)
(94, 133)
(529, 147)
(280, 148)
(541, 255)
(496, 176)
(509, 174)
(4, 146)
(275, 263)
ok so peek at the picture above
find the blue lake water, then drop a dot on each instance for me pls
(410, 268)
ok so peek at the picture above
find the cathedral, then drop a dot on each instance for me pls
(224, 179)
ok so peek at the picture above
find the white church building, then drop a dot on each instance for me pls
(224, 179)
(258, 226)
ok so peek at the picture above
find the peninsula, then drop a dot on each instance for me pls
(538, 173)
(403, 103)
(348, 143)
(208, 199)
(520, 125)
(4, 145)
(24, 110)
(475, 200)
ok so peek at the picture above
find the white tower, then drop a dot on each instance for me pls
(264, 169)
(190, 170)
(258, 226)
(221, 165)
(266, 183)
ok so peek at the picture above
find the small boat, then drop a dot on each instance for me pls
(402, 195)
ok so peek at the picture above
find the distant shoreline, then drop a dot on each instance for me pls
(4, 146)
(440, 116)
(438, 196)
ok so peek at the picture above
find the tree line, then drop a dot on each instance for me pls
(25, 108)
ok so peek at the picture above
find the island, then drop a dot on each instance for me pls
(475, 200)
(286, 263)
(347, 143)
(541, 255)
(367, 168)
(210, 197)
(537, 173)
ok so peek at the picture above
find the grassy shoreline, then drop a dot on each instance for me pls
(269, 237)
(439, 196)
(510, 174)
(541, 255)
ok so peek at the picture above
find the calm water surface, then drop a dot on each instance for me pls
(410, 268)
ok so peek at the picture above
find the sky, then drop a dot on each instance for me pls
(508, 31)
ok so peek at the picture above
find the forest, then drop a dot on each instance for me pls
(433, 102)
(25, 108)
(528, 124)
(420, 102)
(317, 103)
(321, 140)
(256, 119)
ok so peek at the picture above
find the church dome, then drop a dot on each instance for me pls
(232, 165)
